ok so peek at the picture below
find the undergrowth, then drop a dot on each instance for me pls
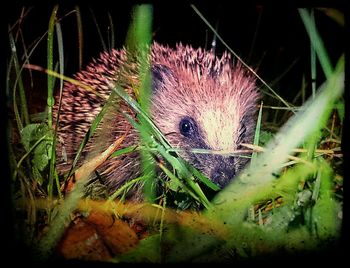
(288, 199)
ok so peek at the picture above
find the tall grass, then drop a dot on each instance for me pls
(283, 201)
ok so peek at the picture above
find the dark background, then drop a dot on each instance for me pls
(269, 38)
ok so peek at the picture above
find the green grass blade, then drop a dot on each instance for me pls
(111, 39)
(140, 36)
(24, 107)
(80, 36)
(126, 150)
(257, 135)
(313, 61)
(137, 108)
(50, 87)
(52, 155)
(50, 79)
(103, 43)
(316, 42)
(203, 179)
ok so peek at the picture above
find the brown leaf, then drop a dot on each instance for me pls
(82, 242)
(98, 237)
(115, 233)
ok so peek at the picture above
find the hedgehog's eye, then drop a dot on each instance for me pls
(186, 127)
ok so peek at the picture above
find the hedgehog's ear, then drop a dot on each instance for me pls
(161, 75)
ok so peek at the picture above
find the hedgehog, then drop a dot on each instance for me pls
(198, 100)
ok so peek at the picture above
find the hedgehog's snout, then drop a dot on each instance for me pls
(223, 174)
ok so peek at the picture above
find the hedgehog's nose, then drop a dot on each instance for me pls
(222, 175)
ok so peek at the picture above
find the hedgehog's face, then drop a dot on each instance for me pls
(193, 134)
(196, 115)
(219, 129)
